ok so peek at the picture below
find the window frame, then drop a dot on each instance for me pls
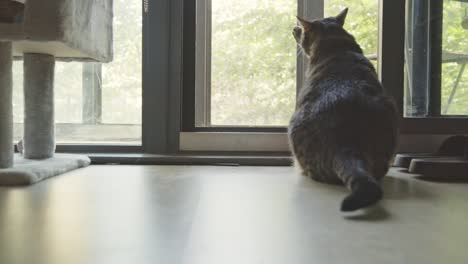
(391, 72)
(161, 88)
(390, 68)
(196, 138)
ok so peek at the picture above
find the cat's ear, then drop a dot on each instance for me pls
(308, 26)
(342, 16)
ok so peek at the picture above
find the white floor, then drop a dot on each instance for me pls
(185, 214)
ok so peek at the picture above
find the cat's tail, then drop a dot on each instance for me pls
(354, 170)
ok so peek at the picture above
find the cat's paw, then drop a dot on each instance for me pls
(366, 193)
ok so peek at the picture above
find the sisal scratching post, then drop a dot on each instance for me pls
(39, 128)
(6, 106)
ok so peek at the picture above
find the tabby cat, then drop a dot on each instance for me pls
(344, 129)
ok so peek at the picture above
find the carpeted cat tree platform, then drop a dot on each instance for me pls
(42, 32)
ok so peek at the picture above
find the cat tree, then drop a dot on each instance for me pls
(42, 32)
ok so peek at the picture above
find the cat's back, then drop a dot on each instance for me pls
(344, 99)
(346, 68)
(345, 82)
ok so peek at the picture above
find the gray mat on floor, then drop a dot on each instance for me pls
(26, 172)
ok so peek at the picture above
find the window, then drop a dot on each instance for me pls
(98, 104)
(454, 58)
(247, 67)
(434, 48)
(436, 56)
(246, 58)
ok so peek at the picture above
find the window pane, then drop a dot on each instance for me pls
(253, 62)
(18, 102)
(94, 105)
(68, 95)
(436, 55)
(455, 58)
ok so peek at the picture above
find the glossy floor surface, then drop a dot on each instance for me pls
(183, 214)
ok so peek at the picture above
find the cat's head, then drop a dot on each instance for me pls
(310, 31)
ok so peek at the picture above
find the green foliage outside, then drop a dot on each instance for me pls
(253, 62)
(455, 39)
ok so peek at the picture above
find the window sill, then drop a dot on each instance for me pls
(252, 155)
(190, 159)
(278, 142)
(234, 141)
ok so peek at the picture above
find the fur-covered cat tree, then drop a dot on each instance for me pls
(42, 32)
